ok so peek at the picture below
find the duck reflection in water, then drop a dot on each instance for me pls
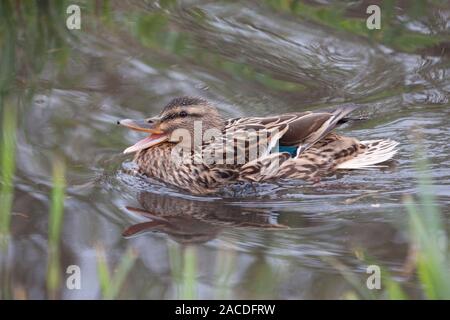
(194, 221)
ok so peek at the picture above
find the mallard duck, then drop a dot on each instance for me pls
(192, 147)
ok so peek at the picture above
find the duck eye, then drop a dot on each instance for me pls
(183, 114)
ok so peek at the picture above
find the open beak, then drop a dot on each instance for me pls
(151, 126)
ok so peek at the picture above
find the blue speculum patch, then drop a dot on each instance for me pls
(292, 150)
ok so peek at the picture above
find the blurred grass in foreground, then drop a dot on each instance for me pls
(225, 266)
(428, 254)
(190, 273)
(261, 278)
(183, 265)
(7, 169)
(428, 236)
(54, 229)
(428, 239)
(110, 285)
(8, 165)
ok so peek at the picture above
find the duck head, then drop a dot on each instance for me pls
(178, 118)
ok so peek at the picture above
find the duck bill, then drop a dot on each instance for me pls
(156, 136)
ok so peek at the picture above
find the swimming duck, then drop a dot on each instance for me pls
(190, 146)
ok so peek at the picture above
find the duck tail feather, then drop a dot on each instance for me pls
(376, 152)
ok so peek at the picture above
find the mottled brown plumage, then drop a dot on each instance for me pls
(245, 149)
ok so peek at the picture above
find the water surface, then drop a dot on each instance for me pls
(252, 58)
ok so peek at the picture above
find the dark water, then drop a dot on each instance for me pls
(251, 58)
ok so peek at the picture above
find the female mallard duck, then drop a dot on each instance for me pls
(250, 149)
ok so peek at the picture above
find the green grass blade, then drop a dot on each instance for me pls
(102, 271)
(8, 166)
(225, 267)
(57, 202)
(55, 227)
(7, 169)
(426, 226)
(110, 286)
(189, 274)
(395, 291)
(119, 277)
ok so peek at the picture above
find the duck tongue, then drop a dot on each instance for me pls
(145, 143)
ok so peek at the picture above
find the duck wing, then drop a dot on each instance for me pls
(300, 129)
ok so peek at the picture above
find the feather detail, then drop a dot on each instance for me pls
(326, 127)
(376, 151)
(246, 149)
